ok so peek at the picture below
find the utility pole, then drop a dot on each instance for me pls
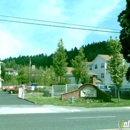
(29, 71)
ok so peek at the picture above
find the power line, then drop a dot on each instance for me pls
(7, 16)
(40, 24)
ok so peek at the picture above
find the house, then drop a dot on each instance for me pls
(99, 66)
(72, 78)
(11, 71)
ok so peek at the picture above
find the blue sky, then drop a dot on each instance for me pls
(23, 39)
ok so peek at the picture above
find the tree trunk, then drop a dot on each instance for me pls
(118, 95)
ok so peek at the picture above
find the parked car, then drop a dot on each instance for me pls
(4, 88)
(15, 89)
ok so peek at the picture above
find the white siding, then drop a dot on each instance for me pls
(99, 70)
(99, 61)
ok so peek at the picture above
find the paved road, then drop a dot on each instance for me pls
(8, 99)
(18, 114)
(105, 120)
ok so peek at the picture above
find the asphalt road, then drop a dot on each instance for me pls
(64, 121)
(8, 99)
(86, 119)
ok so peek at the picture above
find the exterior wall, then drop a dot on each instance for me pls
(71, 78)
(93, 90)
(74, 94)
(107, 78)
(100, 70)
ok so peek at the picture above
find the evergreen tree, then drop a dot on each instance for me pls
(79, 64)
(124, 19)
(23, 75)
(59, 61)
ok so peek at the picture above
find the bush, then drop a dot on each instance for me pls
(46, 93)
(38, 90)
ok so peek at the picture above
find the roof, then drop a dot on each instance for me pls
(106, 57)
(69, 71)
(91, 73)
(89, 63)
(9, 69)
(98, 81)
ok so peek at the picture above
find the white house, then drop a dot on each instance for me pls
(99, 66)
(11, 71)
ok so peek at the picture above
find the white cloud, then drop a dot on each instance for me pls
(31, 40)
(9, 46)
(88, 13)
(52, 10)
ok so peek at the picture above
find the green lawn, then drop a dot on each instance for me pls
(39, 99)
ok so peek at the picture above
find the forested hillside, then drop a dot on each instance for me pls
(90, 50)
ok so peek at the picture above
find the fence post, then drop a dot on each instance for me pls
(66, 88)
(52, 92)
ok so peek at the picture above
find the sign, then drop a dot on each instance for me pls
(88, 92)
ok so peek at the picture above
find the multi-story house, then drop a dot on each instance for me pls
(11, 71)
(99, 66)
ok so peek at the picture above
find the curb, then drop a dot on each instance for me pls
(28, 100)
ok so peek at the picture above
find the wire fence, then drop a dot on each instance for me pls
(57, 90)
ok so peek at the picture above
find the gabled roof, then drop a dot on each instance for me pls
(106, 57)
(89, 63)
(91, 73)
(9, 69)
(69, 71)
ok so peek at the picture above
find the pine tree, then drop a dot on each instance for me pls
(124, 19)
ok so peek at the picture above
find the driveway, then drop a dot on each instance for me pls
(8, 99)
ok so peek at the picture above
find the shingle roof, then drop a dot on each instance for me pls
(91, 73)
(89, 63)
(106, 57)
(9, 69)
(69, 70)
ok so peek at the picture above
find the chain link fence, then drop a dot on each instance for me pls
(57, 90)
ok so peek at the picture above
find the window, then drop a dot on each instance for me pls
(96, 66)
(102, 65)
(90, 68)
(102, 75)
